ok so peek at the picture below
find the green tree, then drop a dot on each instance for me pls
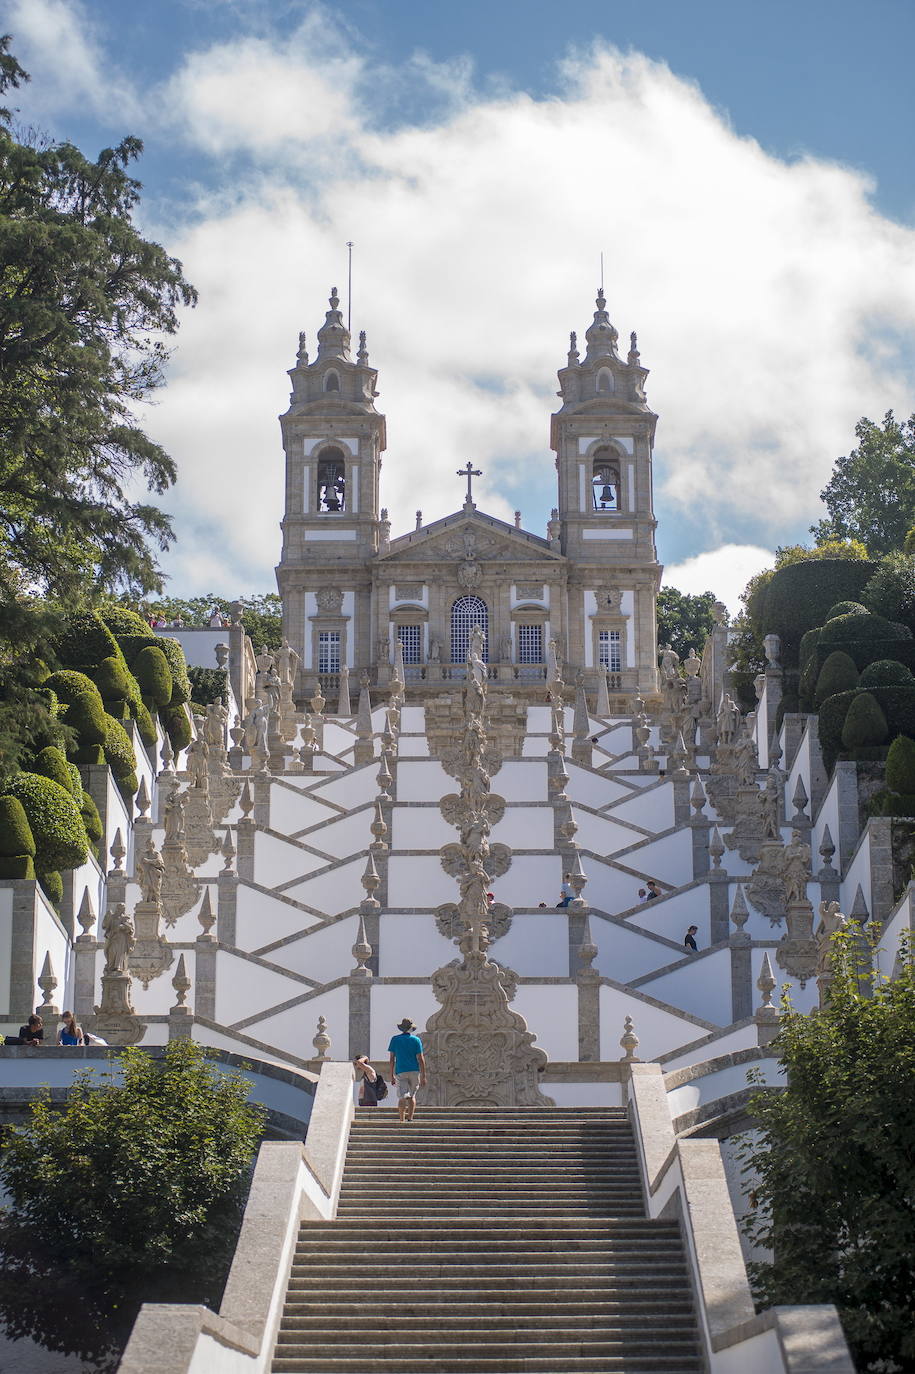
(684, 621)
(84, 304)
(262, 616)
(871, 493)
(136, 1174)
(832, 1165)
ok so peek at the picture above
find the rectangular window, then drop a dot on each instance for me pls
(411, 638)
(328, 651)
(530, 643)
(609, 650)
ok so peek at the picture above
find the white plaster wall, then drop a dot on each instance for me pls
(412, 720)
(423, 781)
(243, 989)
(601, 835)
(584, 1094)
(901, 920)
(420, 827)
(338, 737)
(159, 997)
(332, 891)
(412, 747)
(802, 999)
(653, 810)
(341, 838)
(51, 938)
(89, 878)
(520, 780)
(539, 720)
(525, 827)
(670, 858)
(658, 1030)
(292, 1030)
(116, 819)
(348, 789)
(671, 915)
(725, 1081)
(277, 861)
(858, 873)
(390, 1003)
(6, 947)
(419, 881)
(263, 918)
(535, 747)
(702, 987)
(551, 1013)
(536, 945)
(727, 1042)
(410, 945)
(323, 953)
(828, 815)
(624, 954)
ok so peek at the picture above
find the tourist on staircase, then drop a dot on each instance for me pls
(408, 1067)
(370, 1091)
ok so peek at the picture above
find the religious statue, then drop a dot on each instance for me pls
(831, 921)
(796, 869)
(670, 663)
(119, 939)
(174, 818)
(196, 763)
(435, 651)
(728, 720)
(270, 686)
(287, 663)
(214, 730)
(150, 872)
(505, 649)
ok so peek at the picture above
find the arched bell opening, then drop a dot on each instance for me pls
(331, 480)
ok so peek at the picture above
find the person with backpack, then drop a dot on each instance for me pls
(373, 1088)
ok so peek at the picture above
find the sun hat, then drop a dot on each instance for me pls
(406, 1025)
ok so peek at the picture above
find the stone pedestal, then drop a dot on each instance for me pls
(151, 954)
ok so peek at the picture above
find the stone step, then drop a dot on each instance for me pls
(511, 1314)
(591, 1339)
(595, 1267)
(484, 1178)
(521, 1212)
(448, 1246)
(492, 1228)
(657, 1363)
(507, 1280)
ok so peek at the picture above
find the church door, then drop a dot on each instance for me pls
(466, 612)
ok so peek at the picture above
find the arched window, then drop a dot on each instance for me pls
(331, 480)
(605, 380)
(605, 481)
(466, 612)
(331, 382)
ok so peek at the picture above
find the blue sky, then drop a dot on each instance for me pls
(746, 169)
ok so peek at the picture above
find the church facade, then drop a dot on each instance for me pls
(584, 596)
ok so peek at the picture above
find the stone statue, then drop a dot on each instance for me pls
(831, 921)
(119, 939)
(196, 763)
(287, 663)
(214, 730)
(505, 649)
(670, 663)
(728, 720)
(435, 651)
(796, 869)
(383, 649)
(174, 819)
(271, 686)
(150, 871)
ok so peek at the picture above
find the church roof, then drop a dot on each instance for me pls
(493, 538)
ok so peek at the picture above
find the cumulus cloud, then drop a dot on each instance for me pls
(724, 571)
(774, 306)
(59, 39)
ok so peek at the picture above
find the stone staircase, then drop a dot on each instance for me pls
(489, 1240)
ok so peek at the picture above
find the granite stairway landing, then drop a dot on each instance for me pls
(476, 1240)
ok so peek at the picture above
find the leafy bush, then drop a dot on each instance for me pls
(797, 597)
(891, 590)
(146, 726)
(91, 820)
(52, 885)
(54, 820)
(207, 684)
(861, 627)
(119, 753)
(908, 544)
(16, 837)
(838, 674)
(51, 763)
(178, 728)
(865, 724)
(845, 608)
(139, 1175)
(85, 642)
(154, 676)
(112, 678)
(17, 866)
(886, 672)
(133, 645)
(900, 765)
(121, 621)
(69, 684)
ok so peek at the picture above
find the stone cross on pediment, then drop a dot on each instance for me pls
(469, 472)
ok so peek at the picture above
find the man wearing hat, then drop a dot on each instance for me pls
(408, 1067)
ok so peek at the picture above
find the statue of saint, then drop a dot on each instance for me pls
(119, 939)
(214, 730)
(287, 663)
(150, 872)
(796, 869)
(174, 818)
(196, 763)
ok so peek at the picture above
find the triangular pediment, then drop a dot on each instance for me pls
(468, 537)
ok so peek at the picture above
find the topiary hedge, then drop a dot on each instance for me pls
(896, 703)
(865, 724)
(119, 755)
(900, 765)
(861, 627)
(886, 672)
(51, 763)
(178, 728)
(17, 843)
(846, 608)
(133, 645)
(52, 885)
(54, 820)
(69, 684)
(798, 597)
(85, 642)
(121, 621)
(146, 726)
(91, 820)
(838, 674)
(153, 675)
(112, 678)
(207, 684)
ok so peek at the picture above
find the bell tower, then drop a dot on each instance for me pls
(333, 438)
(603, 436)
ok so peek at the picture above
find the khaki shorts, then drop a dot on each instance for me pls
(407, 1084)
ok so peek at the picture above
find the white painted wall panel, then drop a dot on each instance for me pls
(293, 1030)
(243, 989)
(422, 780)
(419, 881)
(277, 861)
(390, 1003)
(410, 945)
(703, 987)
(551, 1013)
(324, 954)
(623, 954)
(332, 892)
(658, 1030)
(263, 918)
(536, 945)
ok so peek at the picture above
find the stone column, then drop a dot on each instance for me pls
(588, 980)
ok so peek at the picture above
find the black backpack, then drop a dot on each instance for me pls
(381, 1088)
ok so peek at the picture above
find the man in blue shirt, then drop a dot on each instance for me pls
(408, 1067)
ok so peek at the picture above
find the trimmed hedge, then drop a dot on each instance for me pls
(133, 645)
(865, 724)
(121, 621)
(861, 627)
(153, 675)
(178, 728)
(112, 678)
(16, 838)
(207, 684)
(91, 819)
(52, 885)
(845, 608)
(838, 674)
(897, 704)
(17, 866)
(69, 684)
(86, 640)
(886, 672)
(900, 765)
(146, 726)
(54, 820)
(865, 651)
(51, 763)
(119, 753)
(798, 597)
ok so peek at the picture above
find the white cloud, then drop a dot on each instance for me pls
(773, 304)
(724, 571)
(59, 39)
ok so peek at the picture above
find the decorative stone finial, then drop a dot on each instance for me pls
(629, 1041)
(716, 848)
(697, 796)
(228, 851)
(47, 982)
(142, 799)
(246, 801)
(379, 828)
(573, 349)
(205, 915)
(118, 851)
(362, 951)
(86, 915)
(182, 985)
(322, 1040)
(370, 881)
(739, 911)
(362, 357)
(766, 1015)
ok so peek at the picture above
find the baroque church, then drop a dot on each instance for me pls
(583, 597)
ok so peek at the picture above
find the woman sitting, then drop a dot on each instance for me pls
(69, 1033)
